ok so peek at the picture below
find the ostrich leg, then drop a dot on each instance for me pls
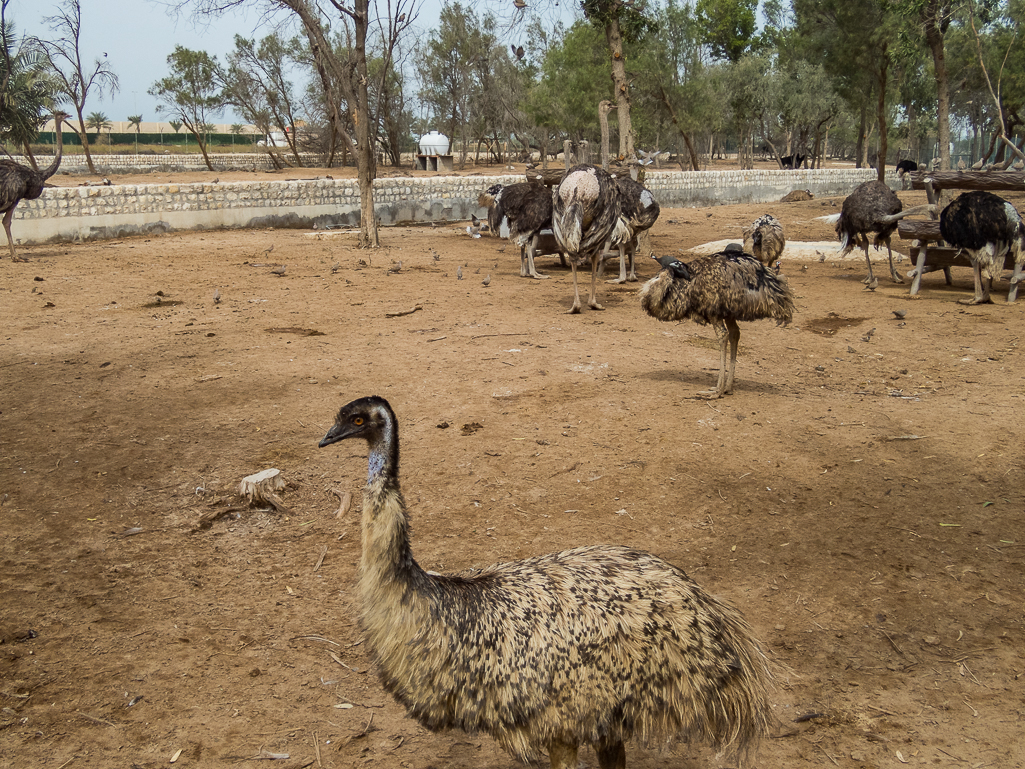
(893, 273)
(1016, 278)
(982, 288)
(576, 293)
(868, 261)
(734, 336)
(592, 301)
(10, 241)
(531, 255)
(622, 266)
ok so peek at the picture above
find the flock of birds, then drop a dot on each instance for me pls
(597, 645)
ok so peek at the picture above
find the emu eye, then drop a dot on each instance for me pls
(357, 421)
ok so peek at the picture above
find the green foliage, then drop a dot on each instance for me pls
(728, 26)
(98, 121)
(190, 92)
(27, 89)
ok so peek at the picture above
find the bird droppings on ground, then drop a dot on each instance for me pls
(846, 545)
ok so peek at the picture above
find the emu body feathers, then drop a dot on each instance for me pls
(592, 645)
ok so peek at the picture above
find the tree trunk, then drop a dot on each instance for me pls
(83, 137)
(860, 151)
(881, 116)
(27, 148)
(202, 146)
(622, 88)
(366, 160)
(932, 14)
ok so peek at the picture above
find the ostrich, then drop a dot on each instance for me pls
(720, 290)
(903, 168)
(871, 208)
(591, 645)
(638, 212)
(526, 208)
(18, 182)
(987, 228)
(584, 215)
(764, 239)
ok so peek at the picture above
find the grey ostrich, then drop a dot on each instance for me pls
(638, 212)
(873, 208)
(18, 183)
(765, 241)
(587, 646)
(987, 228)
(526, 209)
(719, 290)
(586, 208)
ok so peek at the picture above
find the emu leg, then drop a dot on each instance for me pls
(734, 336)
(893, 273)
(868, 261)
(10, 241)
(576, 292)
(592, 300)
(562, 755)
(611, 756)
(722, 334)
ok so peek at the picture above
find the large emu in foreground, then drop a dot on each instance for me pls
(586, 209)
(526, 209)
(18, 183)
(987, 228)
(873, 208)
(587, 646)
(719, 290)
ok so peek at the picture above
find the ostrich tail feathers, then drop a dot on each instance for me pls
(569, 227)
(831, 219)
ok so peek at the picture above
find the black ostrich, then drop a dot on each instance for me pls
(718, 290)
(586, 208)
(18, 183)
(593, 645)
(987, 228)
(526, 209)
(638, 212)
(873, 208)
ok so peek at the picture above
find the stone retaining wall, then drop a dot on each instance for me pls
(99, 212)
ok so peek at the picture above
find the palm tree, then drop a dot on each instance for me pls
(99, 121)
(136, 121)
(27, 90)
(236, 130)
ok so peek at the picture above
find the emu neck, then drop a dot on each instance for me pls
(51, 169)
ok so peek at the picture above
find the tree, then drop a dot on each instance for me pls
(75, 78)
(728, 26)
(136, 121)
(98, 121)
(256, 82)
(27, 90)
(190, 92)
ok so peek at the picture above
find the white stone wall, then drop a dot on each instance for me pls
(97, 212)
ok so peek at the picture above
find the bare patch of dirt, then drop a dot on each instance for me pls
(861, 501)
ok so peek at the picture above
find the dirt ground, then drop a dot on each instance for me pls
(860, 496)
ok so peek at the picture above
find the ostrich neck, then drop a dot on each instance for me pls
(52, 168)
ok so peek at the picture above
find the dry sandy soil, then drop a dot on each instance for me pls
(860, 496)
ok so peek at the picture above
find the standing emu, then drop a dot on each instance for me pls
(719, 290)
(586, 208)
(587, 646)
(526, 209)
(871, 208)
(987, 228)
(18, 182)
(638, 212)
(764, 240)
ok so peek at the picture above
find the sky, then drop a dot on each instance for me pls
(138, 35)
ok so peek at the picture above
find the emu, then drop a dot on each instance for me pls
(719, 290)
(587, 646)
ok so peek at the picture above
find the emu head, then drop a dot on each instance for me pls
(676, 268)
(368, 418)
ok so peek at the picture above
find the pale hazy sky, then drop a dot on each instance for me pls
(138, 35)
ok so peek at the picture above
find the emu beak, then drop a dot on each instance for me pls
(338, 432)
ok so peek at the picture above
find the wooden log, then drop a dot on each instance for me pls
(260, 489)
(969, 180)
(919, 229)
(547, 176)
